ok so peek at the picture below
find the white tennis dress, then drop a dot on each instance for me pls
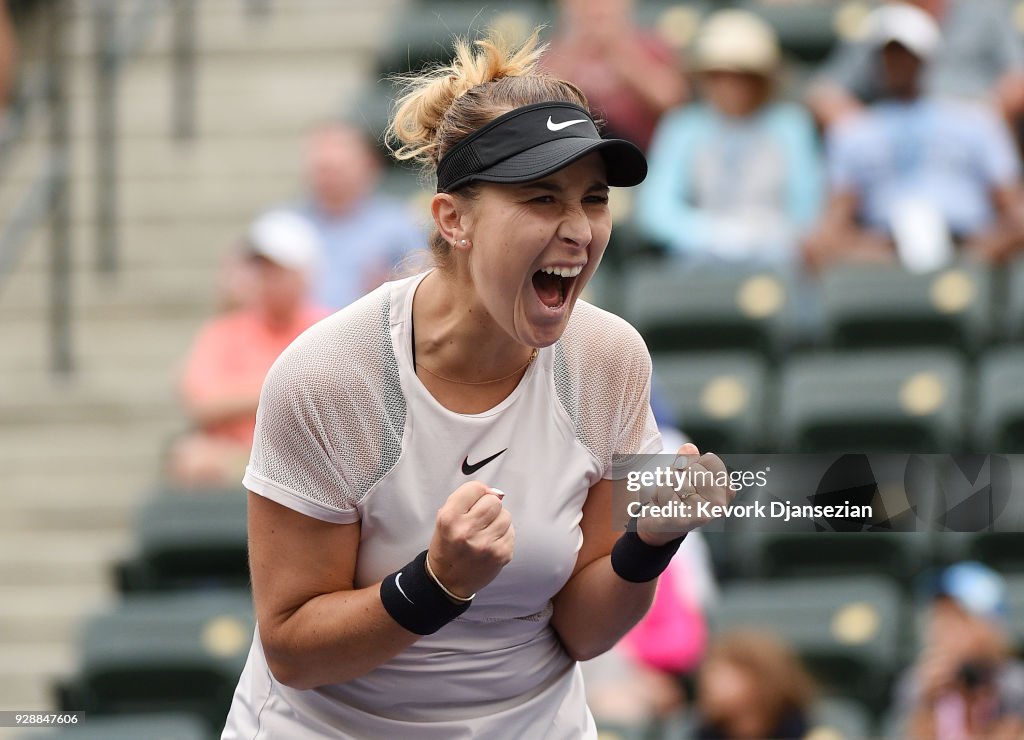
(346, 432)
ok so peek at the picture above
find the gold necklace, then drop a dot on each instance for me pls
(481, 382)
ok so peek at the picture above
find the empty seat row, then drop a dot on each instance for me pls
(152, 653)
(183, 652)
(968, 307)
(925, 401)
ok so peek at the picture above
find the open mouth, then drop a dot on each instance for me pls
(553, 284)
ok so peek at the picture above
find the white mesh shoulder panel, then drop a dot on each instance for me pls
(332, 413)
(602, 375)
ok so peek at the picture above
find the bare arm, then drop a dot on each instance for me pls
(839, 238)
(210, 412)
(1006, 237)
(597, 607)
(316, 628)
(830, 103)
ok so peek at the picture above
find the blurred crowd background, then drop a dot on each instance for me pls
(827, 256)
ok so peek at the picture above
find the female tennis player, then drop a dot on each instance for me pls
(430, 508)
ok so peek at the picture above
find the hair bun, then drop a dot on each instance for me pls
(420, 110)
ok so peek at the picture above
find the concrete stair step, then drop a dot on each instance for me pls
(93, 448)
(174, 244)
(111, 407)
(28, 670)
(155, 379)
(170, 289)
(224, 27)
(92, 500)
(116, 340)
(240, 197)
(159, 157)
(244, 96)
(39, 613)
(31, 559)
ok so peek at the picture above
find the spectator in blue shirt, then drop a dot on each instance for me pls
(951, 161)
(981, 59)
(364, 233)
(735, 178)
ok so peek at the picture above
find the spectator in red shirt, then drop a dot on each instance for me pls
(230, 357)
(629, 75)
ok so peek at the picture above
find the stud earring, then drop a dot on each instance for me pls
(463, 242)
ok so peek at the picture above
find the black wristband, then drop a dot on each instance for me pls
(635, 561)
(415, 601)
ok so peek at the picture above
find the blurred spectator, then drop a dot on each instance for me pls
(965, 682)
(365, 234)
(8, 54)
(737, 177)
(916, 171)
(642, 678)
(982, 59)
(752, 685)
(629, 75)
(230, 357)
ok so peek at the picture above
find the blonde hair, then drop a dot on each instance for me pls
(442, 106)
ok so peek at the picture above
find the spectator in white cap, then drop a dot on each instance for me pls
(694, 201)
(232, 353)
(916, 175)
(965, 682)
(982, 61)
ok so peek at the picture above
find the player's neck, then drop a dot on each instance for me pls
(457, 339)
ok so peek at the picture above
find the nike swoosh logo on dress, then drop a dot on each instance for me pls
(469, 469)
(552, 126)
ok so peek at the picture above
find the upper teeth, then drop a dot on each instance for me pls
(563, 271)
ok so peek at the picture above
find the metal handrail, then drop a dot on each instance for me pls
(48, 194)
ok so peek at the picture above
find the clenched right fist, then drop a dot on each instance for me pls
(473, 539)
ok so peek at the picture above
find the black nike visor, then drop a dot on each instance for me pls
(533, 141)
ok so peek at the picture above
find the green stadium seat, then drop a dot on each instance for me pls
(189, 540)
(622, 730)
(999, 422)
(371, 112)
(1003, 551)
(1015, 593)
(1015, 303)
(846, 629)
(896, 547)
(680, 308)
(806, 29)
(718, 398)
(897, 401)
(156, 726)
(166, 652)
(981, 504)
(840, 719)
(424, 37)
(897, 556)
(876, 306)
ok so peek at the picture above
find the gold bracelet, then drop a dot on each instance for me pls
(435, 579)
